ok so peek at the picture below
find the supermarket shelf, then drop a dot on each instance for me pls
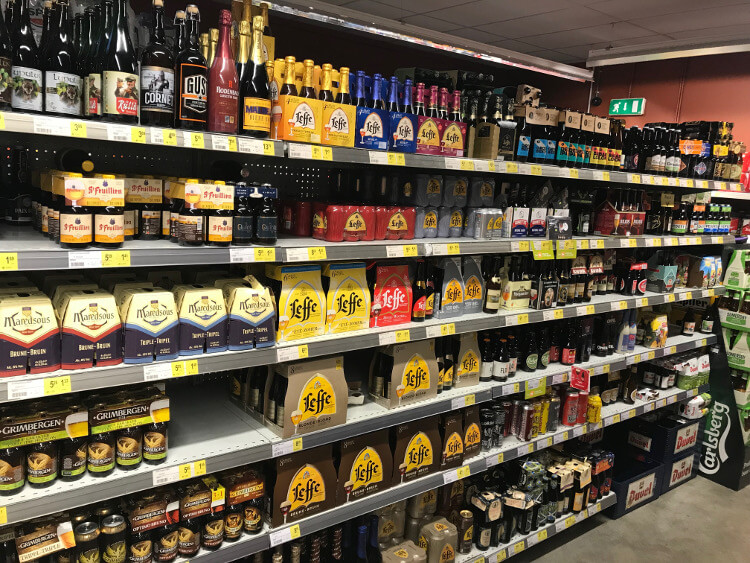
(35, 252)
(21, 387)
(16, 122)
(730, 194)
(520, 543)
(212, 429)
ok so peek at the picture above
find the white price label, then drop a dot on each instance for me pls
(578, 431)
(289, 353)
(580, 311)
(385, 338)
(378, 157)
(559, 438)
(433, 331)
(524, 450)
(511, 320)
(153, 372)
(297, 255)
(510, 389)
(450, 476)
(559, 378)
(452, 163)
(239, 255)
(92, 259)
(250, 146)
(482, 165)
(648, 407)
(297, 150)
(282, 448)
(560, 526)
(157, 136)
(18, 390)
(280, 536)
(118, 133)
(548, 314)
(692, 393)
(219, 143)
(671, 399)
(166, 475)
(458, 403)
(395, 251)
(524, 168)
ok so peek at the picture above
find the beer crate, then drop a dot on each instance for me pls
(635, 483)
(665, 439)
(680, 470)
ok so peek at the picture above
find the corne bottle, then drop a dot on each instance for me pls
(224, 88)
(157, 75)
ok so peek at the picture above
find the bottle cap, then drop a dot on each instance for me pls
(225, 17)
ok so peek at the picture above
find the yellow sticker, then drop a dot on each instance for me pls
(516, 387)
(605, 368)
(549, 442)
(664, 181)
(191, 367)
(199, 467)
(637, 359)
(650, 355)
(671, 297)
(265, 254)
(500, 458)
(559, 313)
(541, 536)
(656, 241)
(185, 471)
(688, 183)
(491, 165)
(393, 159)
(573, 173)
(466, 164)
(536, 170)
(622, 305)
(711, 292)
(570, 521)
(454, 248)
(196, 140)
(502, 556)
(218, 494)
(583, 244)
(531, 448)
(524, 246)
(316, 253)
(704, 342)
(722, 186)
(643, 302)
(294, 532)
(232, 143)
(447, 329)
(78, 129)
(688, 295)
(403, 336)
(605, 176)
(3, 510)
(268, 148)
(511, 168)
(519, 547)
(616, 419)
(57, 385)
(297, 444)
(302, 351)
(633, 243)
(599, 243)
(565, 436)
(673, 349)
(469, 400)
(8, 261)
(138, 134)
(115, 258)
(523, 318)
(590, 309)
(170, 137)
(631, 413)
(463, 472)
(635, 178)
(2, 126)
(322, 153)
(410, 250)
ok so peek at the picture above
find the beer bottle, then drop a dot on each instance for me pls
(360, 99)
(224, 88)
(494, 289)
(46, 29)
(92, 82)
(500, 361)
(393, 104)
(180, 41)
(308, 91)
(377, 92)
(219, 225)
(213, 45)
(73, 458)
(688, 323)
(101, 454)
(419, 107)
(524, 140)
(10, 20)
(6, 55)
(204, 45)
(242, 222)
(157, 75)
(254, 90)
(148, 220)
(266, 27)
(531, 352)
(90, 29)
(407, 100)
(326, 93)
(42, 461)
(243, 51)
(75, 220)
(129, 453)
(448, 364)
(192, 76)
(120, 72)
(290, 87)
(26, 64)
(543, 344)
(280, 401)
(264, 211)
(432, 107)
(344, 97)
(419, 294)
(192, 221)
(109, 223)
(429, 310)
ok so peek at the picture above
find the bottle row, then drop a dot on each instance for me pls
(93, 434)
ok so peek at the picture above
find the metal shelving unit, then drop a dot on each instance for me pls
(22, 387)
(211, 429)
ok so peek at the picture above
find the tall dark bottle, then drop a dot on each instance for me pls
(223, 84)
(157, 75)
(407, 101)
(120, 72)
(26, 70)
(92, 88)
(192, 78)
(255, 94)
(377, 92)
(360, 99)
(180, 41)
(243, 53)
(46, 29)
(392, 104)
(6, 54)
(62, 83)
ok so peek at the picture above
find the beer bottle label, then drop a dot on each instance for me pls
(242, 227)
(120, 93)
(129, 222)
(158, 89)
(219, 229)
(62, 92)
(266, 227)
(6, 79)
(75, 228)
(27, 88)
(109, 228)
(256, 114)
(193, 93)
(92, 94)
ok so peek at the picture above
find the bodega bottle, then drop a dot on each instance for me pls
(223, 83)
(157, 76)
(254, 91)
(6, 55)
(192, 75)
(26, 67)
(120, 72)
(62, 84)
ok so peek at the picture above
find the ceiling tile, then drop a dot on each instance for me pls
(586, 35)
(476, 35)
(480, 12)
(697, 19)
(637, 9)
(378, 9)
(581, 52)
(430, 23)
(420, 6)
(723, 33)
(554, 56)
(556, 20)
(514, 45)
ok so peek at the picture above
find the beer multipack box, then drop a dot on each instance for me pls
(666, 438)
(472, 432)
(119, 410)
(203, 319)
(240, 486)
(251, 312)
(392, 294)
(416, 446)
(373, 129)
(468, 361)
(347, 297)
(738, 270)
(303, 485)
(452, 440)
(150, 325)
(316, 396)
(365, 467)
(29, 334)
(453, 139)
(339, 124)
(403, 127)
(450, 301)
(429, 134)
(50, 534)
(473, 284)
(69, 420)
(300, 119)
(301, 301)
(409, 373)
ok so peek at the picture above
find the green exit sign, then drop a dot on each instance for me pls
(627, 106)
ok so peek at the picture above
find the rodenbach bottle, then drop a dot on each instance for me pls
(289, 88)
(92, 88)
(157, 75)
(344, 97)
(27, 69)
(120, 72)
(326, 83)
(254, 91)
(192, 79)
(224, 87)
(6, 55)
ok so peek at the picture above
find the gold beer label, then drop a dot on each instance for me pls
(453, 292)
(454, 446)
(429, 134)
(457, 219)
(397, 222)
(430, 220)
(469, 364)
(473, 288)
(472, 435)
(459, 188)
(418, 452)
(416, 376)
(355, 223)
(366, 469)
(316, 400)
(307, 487)
(433, 186)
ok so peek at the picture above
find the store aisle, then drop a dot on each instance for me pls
(686, 524)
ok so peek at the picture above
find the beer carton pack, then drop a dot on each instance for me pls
(347, 297)
(339, 124)
(468, 362)
(301, 301)
(738, 270)
(316, 396)
(429, 134)
(403, 127)
(414, 374)
(301, 119)
(305, 486)
(50, 535)
(119, 289)
(484, 142)
(373, 129)
(392, 296)
(416, 446)
(452, 437)
(366, 466)
(203, 319)
(90, 328)
(252, 315)
(451, 291)
(453, 140)
(29, 335)
(49, 282)
(472, 432)
(61, 290)
(150, 325)
(113, 411)
(473, 285)
(65, 421)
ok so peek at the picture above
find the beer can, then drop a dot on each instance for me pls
(499, 430)
(487, 422)
(583, 404)
(517, 404)
(465, 531)
(553, 418)
(508, 409)
(497, 228)
(570, 408)
(537, 420)
(526, 423)
(545, 415)
(482, 222)
(594, 409)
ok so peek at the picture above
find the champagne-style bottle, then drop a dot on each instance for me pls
(120, 72)
(254, 90)
(26, 69)
(326, 92)
(92, 88)
(62, 84)
(344, 97)
(192, 78)
(157, 75)
(224, 88)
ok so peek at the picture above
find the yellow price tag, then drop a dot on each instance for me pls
(303, 352)
(664, 181)
(454, 248)
(410, 250)
(605, 176)
(605, 368)
(583, 244)
(704, 341)
(511, 168)
(536, 170)
(650, 355)
(636, 178)
(590, 309)
(265, 254)
(8, 261)
(448, 329)
(316, 152)
(549, 442)
(559, 313)
(531, 448)
(196, 140)
(392, 158)
(688, 295)
(502, 556)
(573, 173)
(541, 536)
(403, 336)
(516, 387)
(199, 467)
(326, 153)
(570, 521)
(138, 134)
(656, 241)
(524, 246)
(673, 349)
(185, 471)
(294, 532)
(631, 413)
(268, 148)
(191, 367)
(616, 419)
(643, 302)
(491, 165)
(465, 164)
(519, 547)
(218, 494)
(637, 359)
(722, 186)
(232, 143)
(565, 436)
(500, 458)
(469, 400)
(3, 510)
(78, 129)
(671, 298)
(115, 258)
(316, 253)
(711, 292)
(178, 369)
(523, 319)
(57, 385)
(2, 126)
(632, 243)
(464, 472)
(297, 444)
(599, 243)
(689, 183)
(170, 137)
(622, 305)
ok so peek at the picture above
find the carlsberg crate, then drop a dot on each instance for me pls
(680, 470)
(635, 483)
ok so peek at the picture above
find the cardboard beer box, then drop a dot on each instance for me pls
(301, 119)
(366, 466)
(403, 127)
(90, 328)
(453, 140)
(347, 297)
(60, 291)
(305, 485)
(203, 319)
(150, 325)
(339, 121)
(252, 315)
(392, 295)
(119, 289)
(301, 301)
(473, 285)
(29, 335)
(50, 534)
(67, 420)
(738, 271)
(450, 301)
(452, 437)
(416, 446)
(316, 396)
(468, 362)
(407, 373)
(429, 134)
(373, 129)
(472, 432)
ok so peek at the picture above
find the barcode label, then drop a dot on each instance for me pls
(91, 259)
(166, 475)
(157, 371)
(118, 133)
(18, 390)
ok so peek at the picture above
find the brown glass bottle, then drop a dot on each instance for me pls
(234, 517)
(14, 477)
(42, 462)
(192, 79)
(75, 224)
(129, 448)
(255, 93)
(191, 230)
(326, 93)
(219, 224)
(73, 453)
(308, 91)
(101, 454)
(155, 443)
(290, 87)
(109, 222)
